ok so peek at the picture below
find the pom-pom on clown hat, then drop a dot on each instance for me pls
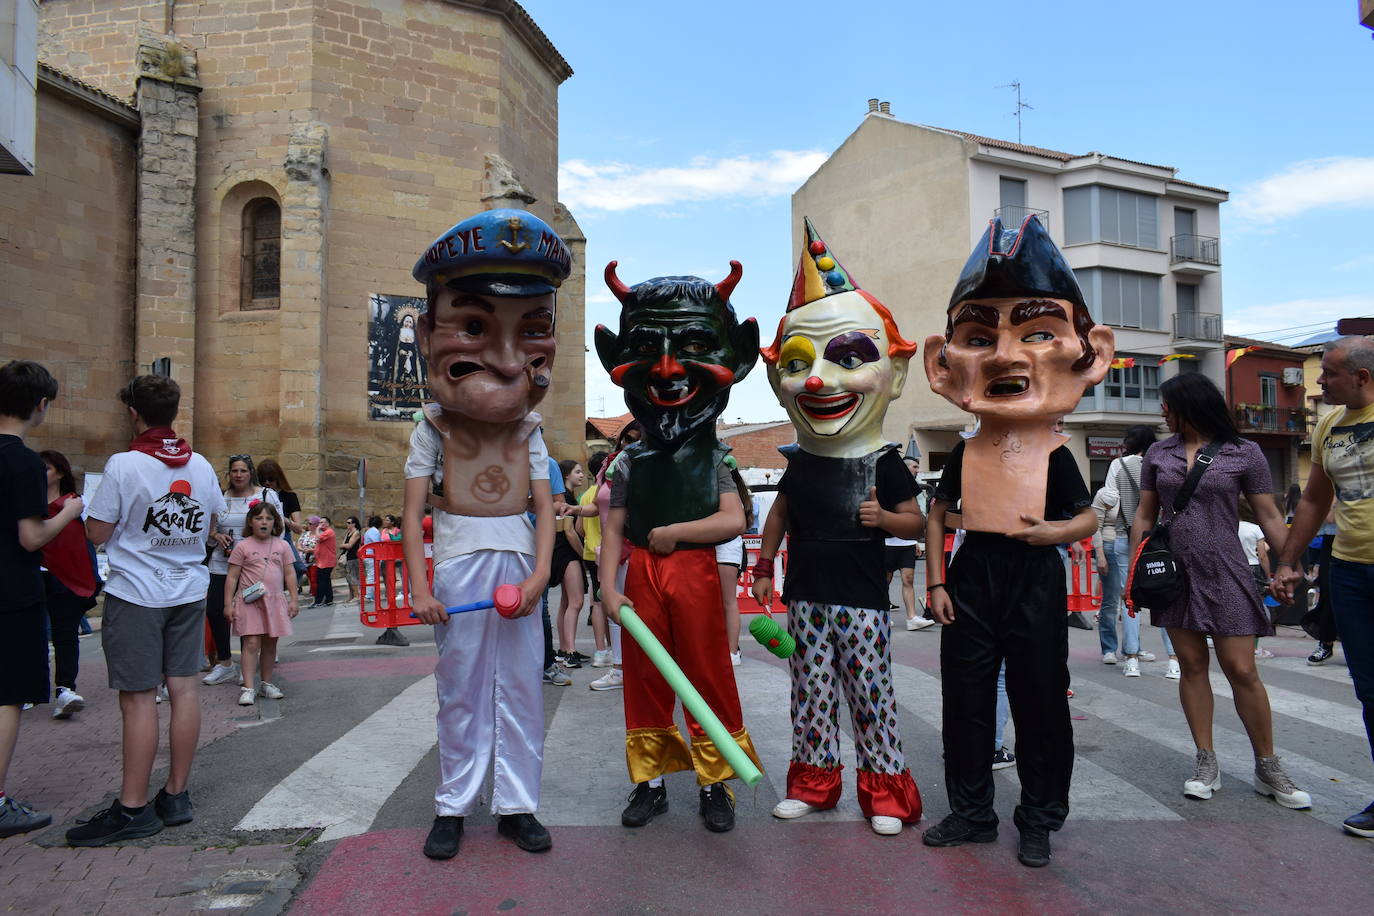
(1008, 263)
(819, 273)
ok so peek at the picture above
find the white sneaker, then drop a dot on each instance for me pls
(611, 680)
(161, 694)
(269, 690)
(1172, 672)
(602, 658)
(885, 826)
(1109, 658)
(1270, 779)
(220, 674)
(1206, 777)
(735, 659)
(68, 701)
(918, 623)
(246, 696)
(1132, 668)
(789, 808)
(1145, 656)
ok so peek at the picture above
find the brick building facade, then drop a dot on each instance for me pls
(187, 150)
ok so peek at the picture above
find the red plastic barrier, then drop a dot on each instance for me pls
(386, 593)
(744, 593)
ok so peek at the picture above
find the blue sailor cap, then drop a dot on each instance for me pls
(497, 253)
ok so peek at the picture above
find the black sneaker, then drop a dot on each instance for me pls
(1322, 655)
(717, 808)
(173, 809)
(16, 817)
(955, 831)
(527, 832)
(444, 837)
(1361, 824)
(1003, 758)
(582, 659)
(113, 824)
(568, 660)
(646, 801)
(1034, 848)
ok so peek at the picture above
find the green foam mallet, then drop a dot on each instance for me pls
(734, 755)
(772, 636)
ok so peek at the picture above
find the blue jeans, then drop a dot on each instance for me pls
(1003, 707)
(1111, 595)
(1130, 626)
(1352, 603)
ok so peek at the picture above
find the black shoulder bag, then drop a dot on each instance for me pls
(1157, 578)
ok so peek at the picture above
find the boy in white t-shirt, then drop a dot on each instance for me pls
(478, 459)
(154, 511)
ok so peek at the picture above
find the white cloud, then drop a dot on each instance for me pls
(616, 186)
(1342, 181)
(1355, 263)
(1297, 319)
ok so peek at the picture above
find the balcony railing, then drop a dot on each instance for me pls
(1197, 326)
(1015, 216)
(1262, 419)
(1199, 249)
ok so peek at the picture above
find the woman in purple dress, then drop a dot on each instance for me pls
(1221, 600)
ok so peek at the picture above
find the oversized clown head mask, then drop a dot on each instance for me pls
(679, 350)
(838, 359)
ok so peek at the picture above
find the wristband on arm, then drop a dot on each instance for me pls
(763, 568)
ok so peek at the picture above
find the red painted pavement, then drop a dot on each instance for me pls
(338, 667)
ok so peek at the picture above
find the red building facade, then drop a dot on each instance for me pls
(1265, 392)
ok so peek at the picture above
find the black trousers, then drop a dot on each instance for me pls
(214, 612)
(1009, 604)
(324, 585)
(65, 611)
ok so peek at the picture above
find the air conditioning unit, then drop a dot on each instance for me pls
(1292, 375)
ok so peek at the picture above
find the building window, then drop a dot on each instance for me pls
(260, 273)
(1186, 296)
(1093, 213)
(1269, 391)
(1122, 298)
(1133, 390)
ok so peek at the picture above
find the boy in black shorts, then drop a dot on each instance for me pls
(26, 390)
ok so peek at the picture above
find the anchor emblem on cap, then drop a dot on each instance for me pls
(514, 246)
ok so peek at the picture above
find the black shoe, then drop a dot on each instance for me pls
(955, 831)
(173, 809)
(582, 659)
(444, 837)
(1034, 848)
(717, 808)
(17, 818)
(1361, 824)
(1003, 758)
(1076, 619)
(646, 801)
(113, 824)
(392, 637)
(527, 832)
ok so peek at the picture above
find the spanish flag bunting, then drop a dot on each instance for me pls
(1124, 362)
(1237, 353)
(1173, 356)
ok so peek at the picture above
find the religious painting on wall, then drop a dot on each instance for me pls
(396, 376)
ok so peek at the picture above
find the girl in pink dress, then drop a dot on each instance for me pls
(261, 557)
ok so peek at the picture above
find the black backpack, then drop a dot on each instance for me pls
(1157, 578)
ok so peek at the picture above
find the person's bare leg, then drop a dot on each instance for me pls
(600, 632)
(909, 592)
(184, 733)
(139, 712)
(9, 737)
(250, 655)
(569, 608)
(1237, 657)
(729, 576)
(267, 660)
(1194, 687)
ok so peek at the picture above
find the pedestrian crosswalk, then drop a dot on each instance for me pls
(342, 788)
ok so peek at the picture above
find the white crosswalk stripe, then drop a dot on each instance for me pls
(1300, 706)
(1334, 670)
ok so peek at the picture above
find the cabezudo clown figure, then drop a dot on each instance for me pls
(678, 351)
(1019, 349)
(837, 362)
(478, 458)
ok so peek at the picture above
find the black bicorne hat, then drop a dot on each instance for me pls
(1006, 264)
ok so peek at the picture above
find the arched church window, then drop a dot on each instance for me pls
(261, 269)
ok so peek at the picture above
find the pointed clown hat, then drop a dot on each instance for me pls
(819, 273)
(1017, 262)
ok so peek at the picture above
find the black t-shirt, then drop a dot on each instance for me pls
(23, 494)
(831, 558)
(1065, 492)
(290, 503)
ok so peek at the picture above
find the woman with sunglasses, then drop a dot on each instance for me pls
(242, 493)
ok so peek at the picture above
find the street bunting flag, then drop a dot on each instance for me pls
(1173, 356)
(1124, 362)
(1237, 353)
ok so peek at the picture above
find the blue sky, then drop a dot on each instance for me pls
(686, 127)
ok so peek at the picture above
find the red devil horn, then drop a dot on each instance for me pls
(620, 289)
(727, 286)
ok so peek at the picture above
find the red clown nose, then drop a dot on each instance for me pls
(814, 384)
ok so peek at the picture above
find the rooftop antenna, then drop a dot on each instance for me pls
(1020, 105)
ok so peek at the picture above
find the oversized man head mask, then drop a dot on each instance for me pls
(679, 350)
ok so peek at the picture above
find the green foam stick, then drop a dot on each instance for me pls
(734, 755)
(772, 636)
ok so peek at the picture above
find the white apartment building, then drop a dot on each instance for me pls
(902, 205)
